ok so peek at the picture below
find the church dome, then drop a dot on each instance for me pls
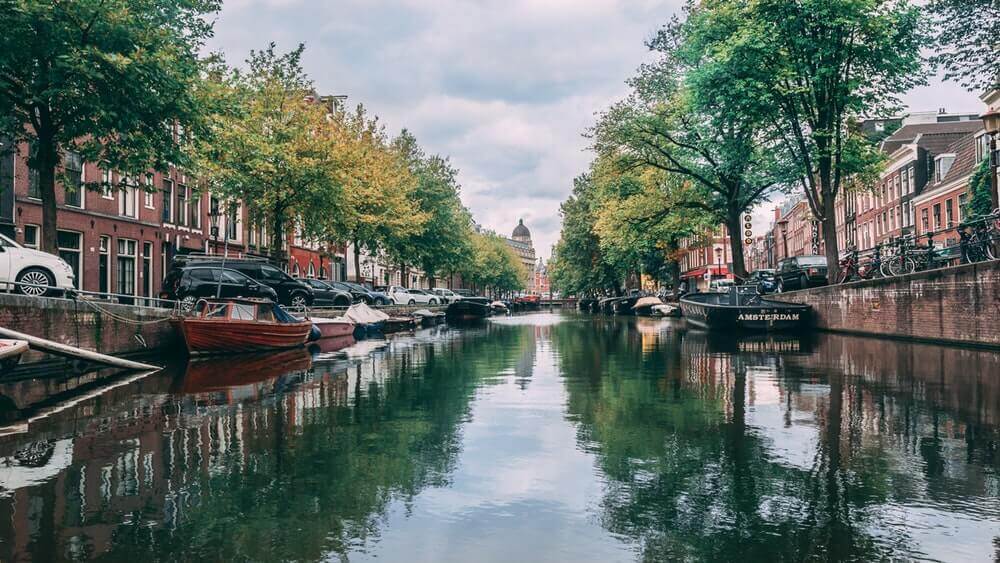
(520, 231)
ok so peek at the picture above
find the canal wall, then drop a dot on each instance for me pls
(957, 305)
(109, 328)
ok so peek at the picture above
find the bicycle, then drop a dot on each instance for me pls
(899, 262)
(979, 245)
(849, 267)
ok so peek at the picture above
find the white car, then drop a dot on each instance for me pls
(446, 295)
(403, 296)
(38, 271)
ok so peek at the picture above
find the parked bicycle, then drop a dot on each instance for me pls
(978, 238)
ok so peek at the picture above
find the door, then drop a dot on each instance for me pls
(126, 269)
(147, 270)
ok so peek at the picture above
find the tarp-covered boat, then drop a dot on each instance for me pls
(743, 309)
(240, 325)
(366, 320)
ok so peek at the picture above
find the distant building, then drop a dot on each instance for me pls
(705, 258)
(541, 281)
(520, 241)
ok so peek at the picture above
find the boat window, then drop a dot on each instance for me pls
(265, 314)
(243, 311)
(217, 311)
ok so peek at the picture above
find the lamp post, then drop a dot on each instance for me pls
(718, 261)
(991, 122)
(214, 214)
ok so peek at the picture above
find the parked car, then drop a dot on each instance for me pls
(801, 272)
(464, 292)
(326, 294)
(192, 282)
(374, 297)
(404, 296)
(721, 285)
(446, 295)
(764, 280)
(291, 292)
(34, 269)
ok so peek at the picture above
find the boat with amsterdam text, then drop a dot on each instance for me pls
(742, 308)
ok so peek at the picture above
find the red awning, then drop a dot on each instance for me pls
(700, 272)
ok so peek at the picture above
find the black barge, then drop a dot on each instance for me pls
(743, 309)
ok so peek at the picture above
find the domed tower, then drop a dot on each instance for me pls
(521, 233)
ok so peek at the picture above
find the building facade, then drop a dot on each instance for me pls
(705, 259)
(520, 242)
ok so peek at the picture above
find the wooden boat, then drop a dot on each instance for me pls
(468, 308)
(10, 353)
(398, 324)
(333, 327)
(743, 309)
(644, 305)
(240, 325)
(427, 317)
(624, 305)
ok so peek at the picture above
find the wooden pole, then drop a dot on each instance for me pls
(68, 351)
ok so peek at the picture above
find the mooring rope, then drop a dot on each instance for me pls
(120, 318)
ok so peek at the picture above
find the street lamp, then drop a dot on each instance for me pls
(718, 261)
(214, 214)
(991, 121)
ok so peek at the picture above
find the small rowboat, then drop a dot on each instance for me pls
(240, 325)
(10, 353)
(743, 309)
(333, 327)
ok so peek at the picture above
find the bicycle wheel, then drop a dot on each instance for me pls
(901, 265)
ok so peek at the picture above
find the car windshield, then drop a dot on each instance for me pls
(812, 261)
(8, 243)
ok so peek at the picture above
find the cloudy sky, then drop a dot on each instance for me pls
(505, 87)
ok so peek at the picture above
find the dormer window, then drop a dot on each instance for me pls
(943, 164)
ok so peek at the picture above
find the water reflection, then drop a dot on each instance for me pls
(540, 437)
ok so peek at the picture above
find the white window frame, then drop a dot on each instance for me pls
(107, 190)
(38, 233)
(149, 197)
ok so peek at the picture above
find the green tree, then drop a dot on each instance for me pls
(817, 64)
(981, 201)
(277, 151)
(108, 79)
(494, 267)
(966, 34)
(442, 245)
(684, 119)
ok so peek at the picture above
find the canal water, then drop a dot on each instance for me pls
(541, 437)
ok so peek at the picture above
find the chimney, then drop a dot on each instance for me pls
(942, 111)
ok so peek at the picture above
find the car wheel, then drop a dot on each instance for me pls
(433, 302)
(412, 302)
(35, 277)
(187, 303)
(298, 300)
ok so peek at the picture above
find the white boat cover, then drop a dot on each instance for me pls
(359, 313)
(664, 309)
(647, 302)
(498, 304)
(421, 313)
(326, 320)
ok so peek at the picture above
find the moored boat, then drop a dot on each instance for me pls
(10, 352)
(468, 308)
(240, 325)
(367, 321)
(334, 327)
(399, 324)
(644, 305)
(427, 317)
(743, 309)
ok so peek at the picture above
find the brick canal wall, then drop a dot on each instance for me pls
(959, 305)
(80, 323)
(105, 327)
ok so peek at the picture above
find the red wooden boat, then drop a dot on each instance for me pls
(240, 325)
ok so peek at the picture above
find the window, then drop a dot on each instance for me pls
(147, 270)
(312, 271)
(126, 268)
(195, 205)
(128, 201)
(73, 186)
(906, 179)
(963, 202)
(233, 222)
(924, 222)
(107, 190)
(71, 250)
(34, 190)
(892, 217)
(148, 199)
(937, 216)
(949, 212)
(272, 274)
(913, 179)
(982, 147)
(168, 194)
(906, 214)
(103, 265)
(182, 205)
(31, 236)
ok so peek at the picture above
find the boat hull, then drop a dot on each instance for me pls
(467, 310)
(766, 316)
(206, 336)
(333, 328)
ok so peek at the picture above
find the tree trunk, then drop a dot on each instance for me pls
(278, 238)
(431, 280)
(46, 160)
(357, 263)
(734, 224)
(829, 226)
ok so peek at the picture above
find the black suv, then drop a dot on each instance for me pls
(801, 272)
(291, 292)
(328, 293)
(190, 283)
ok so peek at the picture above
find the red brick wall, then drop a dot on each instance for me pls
(958, 305)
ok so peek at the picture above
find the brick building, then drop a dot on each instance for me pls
(122, 240)
(705, 259)
(942, 204)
